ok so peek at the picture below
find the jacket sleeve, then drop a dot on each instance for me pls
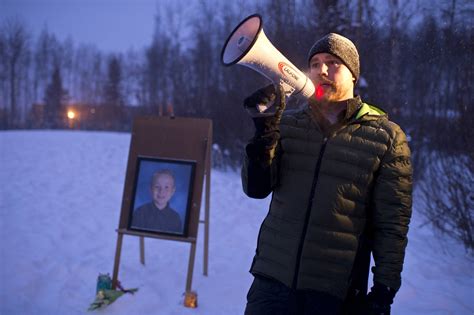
(259, 178)
(391, 212)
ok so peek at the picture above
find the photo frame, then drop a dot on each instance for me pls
(162, 196)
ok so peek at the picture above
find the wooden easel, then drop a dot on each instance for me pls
(175, 138)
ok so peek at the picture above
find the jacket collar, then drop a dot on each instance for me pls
(355, 110)
(371, 110)
(352, 106)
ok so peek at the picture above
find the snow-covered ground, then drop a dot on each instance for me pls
(60, 201)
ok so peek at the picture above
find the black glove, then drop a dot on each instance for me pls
(379, 299)
(266, 106)
(267, 131)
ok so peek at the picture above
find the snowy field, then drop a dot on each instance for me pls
(60, 201)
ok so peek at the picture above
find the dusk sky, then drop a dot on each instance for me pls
(111, 25)
(117, 25)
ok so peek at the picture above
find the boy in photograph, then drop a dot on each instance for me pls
(157, 215)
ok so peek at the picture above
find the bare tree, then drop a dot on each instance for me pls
(396, 21)
(448, 198)
(444, 150)
(15, 48)
(89, 67)
(4, 91)
(113, 93)
(155, 72)
(67, 62)
(133, 78)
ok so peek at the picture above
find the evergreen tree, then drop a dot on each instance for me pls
(54, 99)
(113, 89)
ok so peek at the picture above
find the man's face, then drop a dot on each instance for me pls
(162, 190)
(332, 79)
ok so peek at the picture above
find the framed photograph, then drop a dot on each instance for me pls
(162, 195)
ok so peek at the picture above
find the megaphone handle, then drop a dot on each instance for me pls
(287, 88)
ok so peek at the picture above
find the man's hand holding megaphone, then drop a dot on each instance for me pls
(266, 107)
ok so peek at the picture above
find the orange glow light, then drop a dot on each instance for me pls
(190, 299)
(71, 114)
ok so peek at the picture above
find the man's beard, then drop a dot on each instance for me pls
(331, 94)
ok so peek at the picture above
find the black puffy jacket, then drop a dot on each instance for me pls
(325, 191)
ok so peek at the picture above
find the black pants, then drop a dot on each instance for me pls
(270, 297)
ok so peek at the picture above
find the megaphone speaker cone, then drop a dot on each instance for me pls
(241, 40)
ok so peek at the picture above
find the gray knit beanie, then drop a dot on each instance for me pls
(341, 47)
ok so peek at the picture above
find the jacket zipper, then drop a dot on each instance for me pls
(308, 212)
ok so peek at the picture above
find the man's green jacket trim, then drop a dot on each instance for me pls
(329, 194)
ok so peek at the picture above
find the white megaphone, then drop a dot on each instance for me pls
(247, 45)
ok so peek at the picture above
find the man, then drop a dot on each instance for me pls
(340, 176)
(158, 215)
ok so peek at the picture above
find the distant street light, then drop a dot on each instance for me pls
(71, 114)
(72, 119)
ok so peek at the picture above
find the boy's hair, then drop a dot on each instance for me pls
(162, 172)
